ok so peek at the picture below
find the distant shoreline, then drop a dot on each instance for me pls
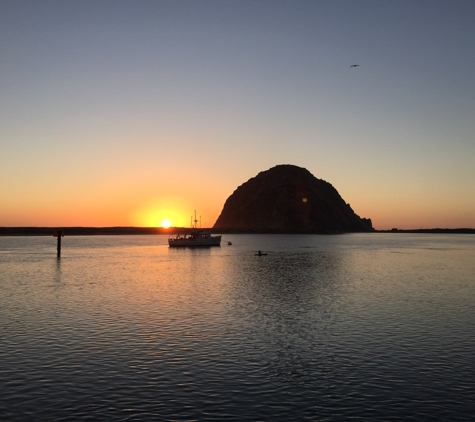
(99, 231)
(88, 231)
(454, 231)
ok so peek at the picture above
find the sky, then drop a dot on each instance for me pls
(127, 113)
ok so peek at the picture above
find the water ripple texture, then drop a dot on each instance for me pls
(370, 327)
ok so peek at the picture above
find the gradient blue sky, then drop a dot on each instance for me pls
(130, 112)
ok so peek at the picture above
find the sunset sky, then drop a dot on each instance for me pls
(120, 113)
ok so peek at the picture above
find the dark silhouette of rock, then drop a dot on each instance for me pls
(288, 199)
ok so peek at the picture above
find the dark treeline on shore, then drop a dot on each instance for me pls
(95, 231)
(88, 231)
(460, 231)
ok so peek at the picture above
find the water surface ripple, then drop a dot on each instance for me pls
(370, 327)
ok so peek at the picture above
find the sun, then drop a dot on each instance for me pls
(166, 224)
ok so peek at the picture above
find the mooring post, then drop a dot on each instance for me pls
(59, 234)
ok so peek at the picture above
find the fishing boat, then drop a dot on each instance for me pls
(195, 237)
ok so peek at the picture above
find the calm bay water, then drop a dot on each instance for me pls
(370, 327)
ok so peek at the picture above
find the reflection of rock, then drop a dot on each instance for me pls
(289, 199)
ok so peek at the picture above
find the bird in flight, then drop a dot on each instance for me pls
(354, 65)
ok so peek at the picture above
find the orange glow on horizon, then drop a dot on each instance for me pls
(159, 218)
(167, 212)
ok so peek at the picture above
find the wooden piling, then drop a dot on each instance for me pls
(59, 234)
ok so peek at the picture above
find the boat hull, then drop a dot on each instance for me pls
(209, 241)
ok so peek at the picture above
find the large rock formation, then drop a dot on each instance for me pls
(288, 199)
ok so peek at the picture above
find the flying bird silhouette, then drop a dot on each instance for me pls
(354, 65)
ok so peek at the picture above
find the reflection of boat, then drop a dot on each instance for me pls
(196, 237)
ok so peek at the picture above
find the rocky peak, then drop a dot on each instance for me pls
(288, 199)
